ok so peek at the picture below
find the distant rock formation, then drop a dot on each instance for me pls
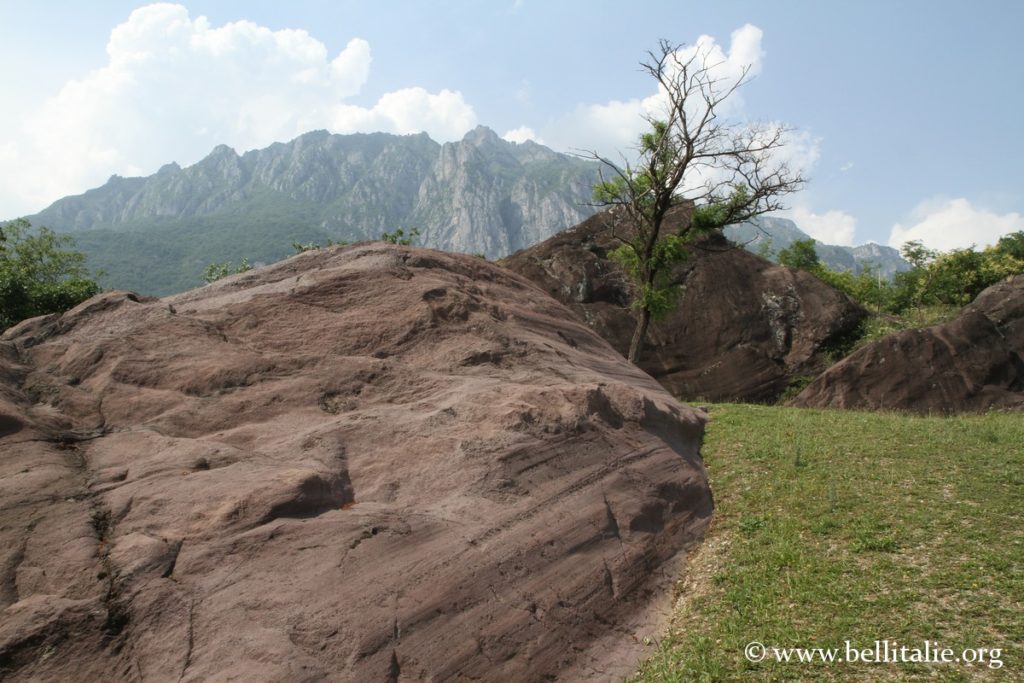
(481, 195)
(745, 329)
(370, 463)
(780, 233)
(972, 363)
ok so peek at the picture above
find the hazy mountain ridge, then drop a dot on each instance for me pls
(782, 232)
(316, 168)
(479, 195)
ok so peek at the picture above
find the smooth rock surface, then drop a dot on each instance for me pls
(371, 463)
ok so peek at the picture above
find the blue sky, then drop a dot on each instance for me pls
(908, 112)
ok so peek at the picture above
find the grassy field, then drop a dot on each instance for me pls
(838, 526)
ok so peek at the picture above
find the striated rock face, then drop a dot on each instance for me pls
(744, 329)
(368, 463)
(484, 195)
(972, 363)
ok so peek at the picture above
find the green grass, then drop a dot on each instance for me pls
(833, 526)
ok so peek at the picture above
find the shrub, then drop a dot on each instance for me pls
(399, 236)
(39, 273)
(216, 271)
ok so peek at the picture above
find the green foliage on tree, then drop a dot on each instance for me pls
(801, 255)
(917, 254)
(216, 271)
(400, 237)
(657, 295)
(956, 277)
(868, 286)
(1011, 246)
(937, 281)
(765, 249)
(39, 273)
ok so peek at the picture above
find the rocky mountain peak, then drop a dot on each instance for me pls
(222, 151)
(482, 135)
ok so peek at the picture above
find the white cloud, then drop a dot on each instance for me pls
(522, 134)
(946, 224)
(846, 167)
(612, 129)
(174, 87)
(444, 116)
(831, 227)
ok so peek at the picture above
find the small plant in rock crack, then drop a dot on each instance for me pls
(99, 519)
(399, 236)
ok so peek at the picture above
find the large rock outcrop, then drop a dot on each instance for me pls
(972, 363)
(743, 331)
(369, 463)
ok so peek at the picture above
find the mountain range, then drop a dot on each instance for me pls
(768, 235)
(480, 195)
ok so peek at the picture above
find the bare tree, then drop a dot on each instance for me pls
(730, 172)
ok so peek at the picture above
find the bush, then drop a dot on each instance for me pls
(956, 277)
(936, 279)
(802, 256)
(866, 287)
(39, 274)
(399, 237)
(795, 386)
(216, 271)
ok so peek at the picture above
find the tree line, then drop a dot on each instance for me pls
(936, 278)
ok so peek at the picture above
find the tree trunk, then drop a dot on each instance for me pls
(639, 334)
(648, 276)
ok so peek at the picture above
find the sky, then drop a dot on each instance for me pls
(905, 115)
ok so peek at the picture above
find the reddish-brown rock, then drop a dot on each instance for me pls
(972, 363)
(370, 463)
(743, 331)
